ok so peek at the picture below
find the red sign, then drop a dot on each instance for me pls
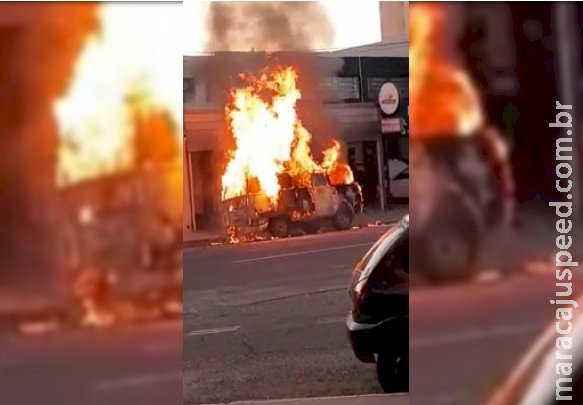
(390, 125)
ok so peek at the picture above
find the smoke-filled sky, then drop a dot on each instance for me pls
(352, 23)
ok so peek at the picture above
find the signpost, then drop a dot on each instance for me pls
(388, 104)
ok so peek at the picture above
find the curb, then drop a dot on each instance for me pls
(372, 399)
(223, 240)
(202, 242)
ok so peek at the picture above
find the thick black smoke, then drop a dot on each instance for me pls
(239, 35)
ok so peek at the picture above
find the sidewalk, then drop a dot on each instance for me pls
(199, 238)
(374, 215)
(369, 217)
(378, 399)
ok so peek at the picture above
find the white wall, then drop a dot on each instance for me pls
(394, 20)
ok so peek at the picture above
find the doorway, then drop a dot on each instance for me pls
(206, 189)
(363, 160)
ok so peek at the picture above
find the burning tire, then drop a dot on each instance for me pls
(343, 218)
(448, 245)
(279, 226)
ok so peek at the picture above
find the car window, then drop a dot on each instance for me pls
(391, 274)
(319, 180)
(379, 248)
(396, 260)
(392, 271)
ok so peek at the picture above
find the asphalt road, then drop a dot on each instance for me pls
(465, 339)
(266, 320)
(127, 365)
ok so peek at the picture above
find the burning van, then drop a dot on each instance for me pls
(462, 187)
(271, 179)
(119, 166)
(307, 205)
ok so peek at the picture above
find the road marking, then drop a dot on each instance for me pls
(305, 252)
(469, 335)
(212, 331)
(137, 381)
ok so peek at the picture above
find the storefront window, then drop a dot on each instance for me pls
(374, 85)
(341, 89)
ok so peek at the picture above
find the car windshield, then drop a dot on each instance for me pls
(319, 180)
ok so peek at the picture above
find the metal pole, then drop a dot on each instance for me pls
(361, 82)
(567, 50)
(380, 160)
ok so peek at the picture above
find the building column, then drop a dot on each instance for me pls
(189, 221)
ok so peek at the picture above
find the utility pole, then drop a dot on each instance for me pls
(567, 53)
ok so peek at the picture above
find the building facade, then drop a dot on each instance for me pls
(342, 88)
(514, 55)
(394, 16)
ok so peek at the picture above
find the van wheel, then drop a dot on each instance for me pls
(449, 246)
(343, 218)
(279, 226)
(393, 371)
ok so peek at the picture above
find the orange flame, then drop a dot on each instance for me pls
(270, 138)
(443, 99)
(338, 172)
(124, 74)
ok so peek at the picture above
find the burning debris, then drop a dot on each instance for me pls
(463, 186)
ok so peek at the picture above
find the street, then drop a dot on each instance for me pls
(266, 320)
(137, 364)
(465, 339)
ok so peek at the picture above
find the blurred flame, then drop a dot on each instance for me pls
(270, 138)
(443, 99)
(91, 289)
(95, 317)
(124, 73)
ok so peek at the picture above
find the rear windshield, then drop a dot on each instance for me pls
(379, 248)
